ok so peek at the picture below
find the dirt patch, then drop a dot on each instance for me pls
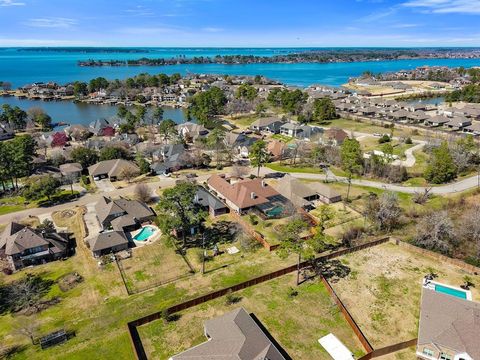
(383, 290)
(69, 281)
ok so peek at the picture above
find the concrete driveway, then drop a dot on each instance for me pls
(104, 185)
(91, 221)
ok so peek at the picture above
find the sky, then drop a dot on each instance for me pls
(240, 23)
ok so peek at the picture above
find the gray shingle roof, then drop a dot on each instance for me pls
(233, 336)
(107, 240)
(451, 322)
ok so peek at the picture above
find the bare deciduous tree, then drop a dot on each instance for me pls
(128, 173)
(436, 232)
(143, 193)
(240, 171)
(469, 226)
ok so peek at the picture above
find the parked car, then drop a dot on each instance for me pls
(275, 175)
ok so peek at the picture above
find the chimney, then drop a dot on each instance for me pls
(252, 195)
(264, 184)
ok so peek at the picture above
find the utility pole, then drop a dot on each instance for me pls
(203, 258)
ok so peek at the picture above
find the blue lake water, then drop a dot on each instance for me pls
(22, 67)
(79, 113)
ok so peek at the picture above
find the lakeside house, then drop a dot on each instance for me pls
(24, 246)
(436, 121)
(245, 194)
(449, 327)
(6, 132)
(458, 123)
(234, 335)
(112, 169)
(191, 131)
(306, 195)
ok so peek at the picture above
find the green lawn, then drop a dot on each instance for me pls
(293, 168)
(284, 138)
(296, 323)
(19, 203)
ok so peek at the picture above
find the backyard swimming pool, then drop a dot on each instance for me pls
(145, 233)
(275, 211)
(451, 291)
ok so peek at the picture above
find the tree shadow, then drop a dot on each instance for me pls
(332, 270)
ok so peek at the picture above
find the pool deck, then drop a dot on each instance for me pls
(152, 238)
(431, 285)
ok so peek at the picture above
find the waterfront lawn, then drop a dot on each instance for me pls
(388, 280)
(303, 320)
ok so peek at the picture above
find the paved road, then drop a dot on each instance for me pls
(461, 185)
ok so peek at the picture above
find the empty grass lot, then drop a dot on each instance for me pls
(154, 264)
(382, 291)
(296, 323)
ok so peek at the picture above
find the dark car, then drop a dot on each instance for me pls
(275, 175)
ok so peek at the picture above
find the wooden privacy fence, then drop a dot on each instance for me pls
(389, 349)
(356, 329)
(132, 326)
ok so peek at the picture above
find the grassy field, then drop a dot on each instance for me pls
(18, 203)
(154, 264)
(98, 308)
(295, 169)
(296, 331)
(389, 290)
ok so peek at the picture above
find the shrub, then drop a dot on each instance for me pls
(231, 298)
(292, 292)
(253, 219)
(408, 141)
(352, 234)
(384, 139)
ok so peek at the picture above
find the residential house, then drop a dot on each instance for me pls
(400, 115)
(305, 195)
(449, 327)
(77, 132)
(334, 136)
(101, 127)
(299, 131)
(239, 142)
(24, 246)
(172, 159)
(234, 335)
(71, 170)
(436, 121)
(122, 214)
(244, 194)
(112, 169)
(458, 123)
(417, 116)
(191, 131)
(267, 124)
(210, 202)
(108, 242)
(473, 129)
(277, 149)
(6, 132)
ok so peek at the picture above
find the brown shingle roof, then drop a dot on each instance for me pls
(112, 167)
(297, 191)
(240, 193)
(450, 322)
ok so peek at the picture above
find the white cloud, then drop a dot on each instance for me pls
(11, 3)
(446, 6)
(212, 29)
(52, 22)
